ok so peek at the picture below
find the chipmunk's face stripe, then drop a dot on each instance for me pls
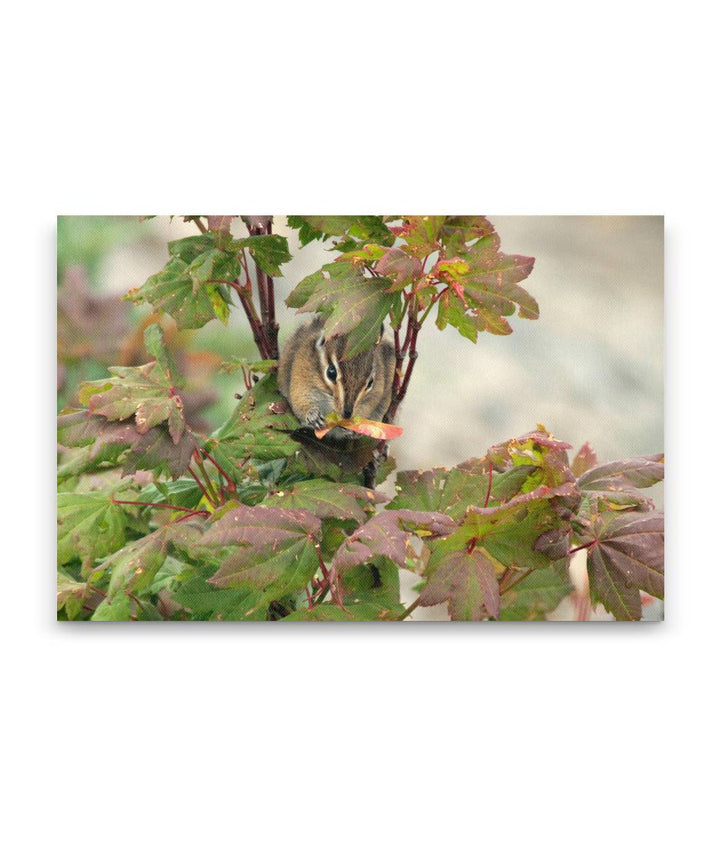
(330, 372)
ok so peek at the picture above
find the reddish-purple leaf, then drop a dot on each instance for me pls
(108, 440)
(261, 527)
(467, 581)
(567, 489)
(220, 222)
(388, 534)
(624, 475)
(157, 450)
(399, 267)
(627, 557)
(585, 460)
(142, 391)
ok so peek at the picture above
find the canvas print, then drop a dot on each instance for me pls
(360, 418)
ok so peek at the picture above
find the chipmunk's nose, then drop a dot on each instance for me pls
(347, 412)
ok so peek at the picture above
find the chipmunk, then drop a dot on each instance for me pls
(317, 379)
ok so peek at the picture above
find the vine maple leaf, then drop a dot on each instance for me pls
(351, 303)
(466, 579)
(388, 534)
(275, 549)
(146, 392)
(89, 526)
(627, 556)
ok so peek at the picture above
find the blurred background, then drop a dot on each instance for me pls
(590, 369)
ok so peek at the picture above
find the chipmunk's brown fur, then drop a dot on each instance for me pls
(317, 379)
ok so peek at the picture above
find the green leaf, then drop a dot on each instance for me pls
(134, 566)
(268, 251)
(537, 595)
(493, 279)
(366, 228)
(206, 602)
(105, 442)
(450, 491)
(509, 532)
(347, 612)
(188, 249)
(482, 282)
(71, 594)
(235, 364)
(192, 286)
(89, 526)
(628, 556)
(457, 232)
(452, 311)
(421, 234)
(117, 608)
(351, 304)
(327, 500)
(183, 492)
(376, 583)
(260, 428)
(275, 552)
(99, 443)
(155, 345)
(77, 428)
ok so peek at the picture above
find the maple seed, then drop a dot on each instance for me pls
(359, 425)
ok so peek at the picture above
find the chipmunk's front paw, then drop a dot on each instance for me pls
(315, 419)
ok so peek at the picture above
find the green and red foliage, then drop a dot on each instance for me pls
(158, 521)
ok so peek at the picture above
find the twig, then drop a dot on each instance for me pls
(197, 511)
(200, 485)
(199, 223)
(208, 480)
(266, 287)
(487, 495)
(255, 323)
(231, 483)
(330, 578)
(410, 609)
(582, 547)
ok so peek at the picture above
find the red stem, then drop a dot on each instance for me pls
(487, 495)
(192, 514)
(199, 223)
(200, 485)
(399, 389)
(582, 547)
(266, 290)
(231, 483)
(334, 590)
(252, 316)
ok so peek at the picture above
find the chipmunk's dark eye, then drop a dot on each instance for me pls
(370, 383)
(331, 373)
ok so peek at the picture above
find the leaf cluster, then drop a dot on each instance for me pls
(256, 522)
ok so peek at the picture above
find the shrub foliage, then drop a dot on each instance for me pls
(157, 520)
